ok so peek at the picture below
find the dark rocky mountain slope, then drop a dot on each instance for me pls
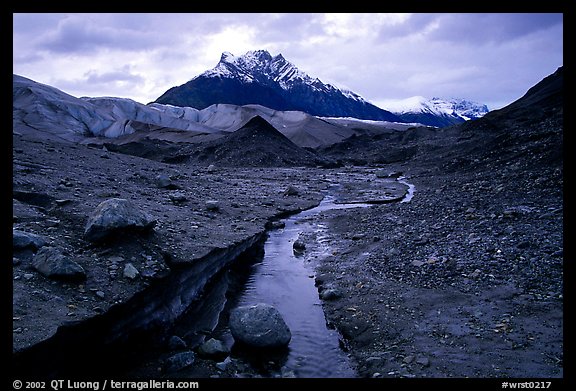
(259, 78)
(530, 128)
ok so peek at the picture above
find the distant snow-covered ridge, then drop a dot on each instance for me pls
(459, 110)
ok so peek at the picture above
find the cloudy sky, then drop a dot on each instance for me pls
(488, 58)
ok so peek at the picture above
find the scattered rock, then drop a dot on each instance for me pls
(22, 240)
(179, 361)
(291, 191)
(387, 174)
(50, 262)
(421, 241)
(211, 168)
(374, 361)
(163, 181)
(275, 225)
(299, 246)
(330, 294)
(212, 205)
(130, 271)
(523, 245)
(176, 343)
(178, 197)
(224, 364)
(114, 215)
(213, 348)
(259, 326)
(424, 361)
(408, 359)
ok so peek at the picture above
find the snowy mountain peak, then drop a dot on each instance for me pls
(261, 66)
(454, 110)
(258, 77)
(226, 57)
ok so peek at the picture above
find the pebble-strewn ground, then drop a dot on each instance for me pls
(466, 280)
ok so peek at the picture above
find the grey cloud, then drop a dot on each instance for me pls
(288, 27)
(492, 27)
(28, 58)
(32, 24)
(74, 35)
(473, 28)
(121, 75)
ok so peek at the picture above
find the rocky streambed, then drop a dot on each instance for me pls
(465, 280)
(127, 244)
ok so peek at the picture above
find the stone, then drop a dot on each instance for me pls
(330, 294)
(50, 262)
(22, 240)
(176, 343)
(424, 361)
(275, 225)
(291, 191)
(213, 348)
(299, 246)
(163, 181)
(116, 215)
(523, 245)
(259, 326)
(179, 361)
(211, 168)
(224, 364)
(177, 197)
(387, 174)
(130, 271)
(212, 205)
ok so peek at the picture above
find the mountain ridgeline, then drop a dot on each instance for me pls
(259, 78)
(438, 112)
(226, 133)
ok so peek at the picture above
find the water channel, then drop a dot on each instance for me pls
(280, 276)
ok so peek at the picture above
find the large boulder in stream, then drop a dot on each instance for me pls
(259, 326)
(114, 215)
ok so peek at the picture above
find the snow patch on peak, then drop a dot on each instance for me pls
(402, 106)
(226, 57)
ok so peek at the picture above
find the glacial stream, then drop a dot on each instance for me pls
(195, 305)
(284, 279)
